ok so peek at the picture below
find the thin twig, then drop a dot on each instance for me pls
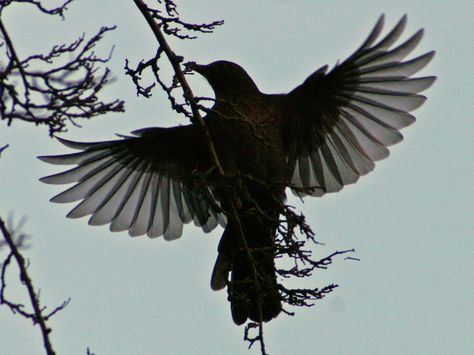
(3, 148)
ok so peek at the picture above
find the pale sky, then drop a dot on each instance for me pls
(410, 220)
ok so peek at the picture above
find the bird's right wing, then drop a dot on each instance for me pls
(338, 123)
(146, 184)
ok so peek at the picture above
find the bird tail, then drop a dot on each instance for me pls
(252, 287)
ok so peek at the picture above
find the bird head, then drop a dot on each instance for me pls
(228, 80)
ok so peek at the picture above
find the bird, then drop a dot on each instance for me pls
(315, 139)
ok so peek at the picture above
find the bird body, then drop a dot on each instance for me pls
(245, 130)
(319, 137)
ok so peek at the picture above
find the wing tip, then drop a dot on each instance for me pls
(69, 143)
(59, 199)
(430, 55)
(431, 80)
(44, 158)
(47, 180)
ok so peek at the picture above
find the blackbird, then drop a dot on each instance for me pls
(319, 137)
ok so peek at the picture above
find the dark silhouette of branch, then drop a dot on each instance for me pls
(172, 25)
(3, 148)
(57, 87)
(291, 246)
(15, 240)
(58, 10)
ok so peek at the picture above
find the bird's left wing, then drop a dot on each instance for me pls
(338, 124)
(146, 184)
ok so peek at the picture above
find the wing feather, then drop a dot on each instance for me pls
(141, 184)
(354, 112)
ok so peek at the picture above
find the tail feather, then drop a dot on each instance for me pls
(252, 287)
(220, 272)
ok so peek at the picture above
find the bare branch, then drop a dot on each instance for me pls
(3, 148)
(252, 339)
(15, 239)
(59, 10)
(174, 26)
(58, 87)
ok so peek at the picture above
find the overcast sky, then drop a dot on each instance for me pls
(410, 220)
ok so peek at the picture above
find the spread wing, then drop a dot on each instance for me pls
(338, 124)
(147, 184)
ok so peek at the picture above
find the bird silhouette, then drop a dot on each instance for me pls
(319, 137)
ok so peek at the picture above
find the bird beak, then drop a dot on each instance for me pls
(196, 67)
